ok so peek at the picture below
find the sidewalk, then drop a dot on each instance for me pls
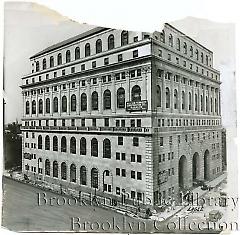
(169, 214)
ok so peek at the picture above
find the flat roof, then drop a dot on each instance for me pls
(70, 40)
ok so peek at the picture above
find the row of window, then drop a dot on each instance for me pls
(170, 138)
(182, 100)
(88, 51)
(182, 46)
(134, 174)
(83, 145)
(135, 94)
(161, 157)
(186, 122)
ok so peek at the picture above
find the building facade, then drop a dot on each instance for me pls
(121, 112)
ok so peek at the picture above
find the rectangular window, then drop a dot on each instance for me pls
(120, 58)
(55, 122)
(83, 67)
(132, 73)
(55, 74)
(139, 175)
(117, 123)
(106, 61)
(94, 122)
(83, 122)
(135, 141)
(73, 84)
(123, 156)
(133, 174)
(139, 158)
(106, 121)
(161, 141)
(118, 171)
(169, 57)
(83, 82)
(139, 72)
(117, 190)
(170, 140)
(117, 156)
(132, 122)
(94, 81)
(72, 122)
(120, 140)
(117, 76)
(94, 64)
(135, 53)
(123, 75)
(123, 172)
(72, 69)
(63, 72)
(133, 194)
(139, 123)
(123, 123)
(160, 53)
(132, 157)
(63, 122)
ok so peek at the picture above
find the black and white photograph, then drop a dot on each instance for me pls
(115, 129)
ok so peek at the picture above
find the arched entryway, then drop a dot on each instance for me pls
(195, 167)
(107, 181)
(182, 172)
(206, 165)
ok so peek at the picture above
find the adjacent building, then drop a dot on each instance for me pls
(121, 112)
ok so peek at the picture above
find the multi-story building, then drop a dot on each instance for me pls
(123, 112)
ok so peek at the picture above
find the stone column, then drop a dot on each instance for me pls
(100, 96)
(37, 105)
(199, 98)
(78, 98)
(60, 102)
(179, 95)
(164, 92)
(69, 99)
(51, 101)
(209, 101)
(24, 104)
(172, 92)
(204, 99)
(88, 96)
(187, 96)
(145, 72)
(128, 92)
(113, 95)
(193, 98)
(44, 102)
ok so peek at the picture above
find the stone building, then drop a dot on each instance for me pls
(121, 112)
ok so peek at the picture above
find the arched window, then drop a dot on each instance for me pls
(178, 44)
(162, 36)
(197, 55)
(185, 48)
(73, 103)
(47, 105)
(59, 58)
(77, 53)
(83, 102)
(191, 51)
(94, 147)
(39, 142)
(167, 97)
(33, 107)
(83, 146)
(94, 178)
(55, 143)
(170, 40)
(47, 167)
(55, 105)
(159, 97)
(136, 93)
(196, 102)
(94, 100)
(175, 99)
(183, 100)
(121, 98)
(83, 175)
(106, 148)
(68, 56)
(47, 143)
(63, 144)
(73, 145)
(206, 59)
(55, 169)
(40, 106)
(64, 171)
(44, 64)
(64, 104)
(87, 50)
(51, 61)
(107, 99)
(27, 107)
(202, 57)
(98, 46)
(189, 101)
(37, 66)
(110, 42)
(124, 38)
(73, 173)
(201, 103)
